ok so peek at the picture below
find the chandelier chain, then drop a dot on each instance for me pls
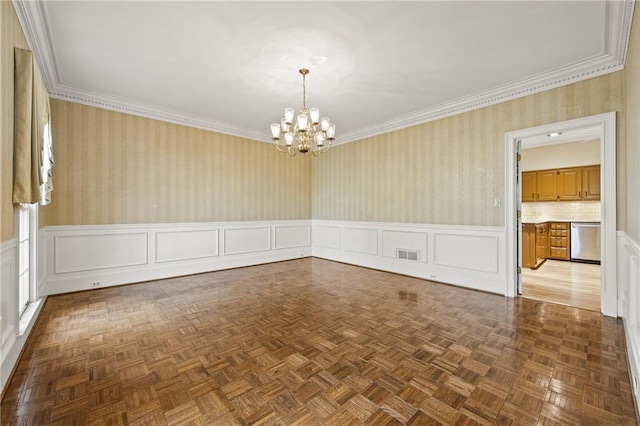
(304, 73)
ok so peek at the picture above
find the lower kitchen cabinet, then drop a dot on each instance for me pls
(535, 244)
(542, 242)
(528, 245)
(559, 241)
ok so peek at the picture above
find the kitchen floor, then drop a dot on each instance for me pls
(566, 283)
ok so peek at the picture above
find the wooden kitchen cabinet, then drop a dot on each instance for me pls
(542, 242)
(535, 245)
(547, 185)
(559, 241)
(528, 245)
(528, 189)
(591, 183)
(570, 184)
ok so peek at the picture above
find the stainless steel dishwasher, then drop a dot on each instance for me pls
(585, 242)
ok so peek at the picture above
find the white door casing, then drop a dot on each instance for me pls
(606, 127)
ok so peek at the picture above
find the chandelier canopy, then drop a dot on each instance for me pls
(308, 133)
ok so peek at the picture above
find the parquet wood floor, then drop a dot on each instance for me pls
(309, 342)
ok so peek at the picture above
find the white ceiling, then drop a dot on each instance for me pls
(581, 134)
(375, 66)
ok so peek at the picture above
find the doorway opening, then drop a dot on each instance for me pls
(602, 128)
(562, 168)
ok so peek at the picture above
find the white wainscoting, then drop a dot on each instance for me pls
(292, 236)
(86, 257)
(247, 240)
(472, 252)
(14, 330)
(99, 250)
(176, 245)
(468, 256)
(416, 241)
(8, 306)
(360, 240)
(325, 236)
(629, 302)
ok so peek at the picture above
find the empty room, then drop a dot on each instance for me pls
(319, 213)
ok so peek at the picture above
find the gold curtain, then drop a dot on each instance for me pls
(31, 114)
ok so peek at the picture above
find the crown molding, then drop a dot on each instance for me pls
(572, 74)
(127, 106)
(619, 14)
(619, 17)
(31, 16)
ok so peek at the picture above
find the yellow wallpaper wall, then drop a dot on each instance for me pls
(629, 155)
(447, 171)
(114, 168)
(11, 36)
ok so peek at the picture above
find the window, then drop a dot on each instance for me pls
(47, 164)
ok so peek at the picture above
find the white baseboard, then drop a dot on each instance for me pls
(467, 256)
(629, 303)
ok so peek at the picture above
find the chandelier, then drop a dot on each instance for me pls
(309, 132)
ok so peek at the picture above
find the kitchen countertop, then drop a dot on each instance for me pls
(540, 221)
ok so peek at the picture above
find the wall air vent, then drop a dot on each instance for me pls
(405, 254)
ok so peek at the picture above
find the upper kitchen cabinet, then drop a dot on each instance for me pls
(547, 185)
(529, 188)
(570, 184)
(567, 184)
(591, 182)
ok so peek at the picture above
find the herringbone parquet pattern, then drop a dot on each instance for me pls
(311, 342)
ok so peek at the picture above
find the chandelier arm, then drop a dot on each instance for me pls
(280, 148)
(326, 147)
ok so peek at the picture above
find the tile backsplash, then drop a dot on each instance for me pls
(561, 211)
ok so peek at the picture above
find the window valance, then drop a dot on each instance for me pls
(33, 153)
